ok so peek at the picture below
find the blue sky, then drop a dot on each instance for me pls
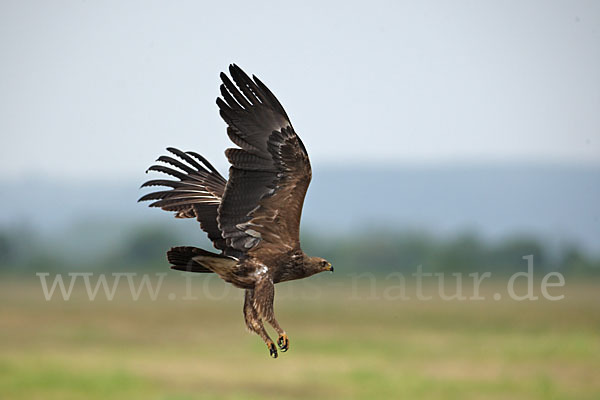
(98, 89)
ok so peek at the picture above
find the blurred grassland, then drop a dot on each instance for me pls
(342, 346)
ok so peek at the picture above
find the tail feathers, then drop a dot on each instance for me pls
(182, 258)
(193, 259)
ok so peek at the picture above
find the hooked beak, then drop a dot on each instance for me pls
(329, 267)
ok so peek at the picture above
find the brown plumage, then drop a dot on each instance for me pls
(254, 217)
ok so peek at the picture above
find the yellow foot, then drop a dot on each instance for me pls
(283, 342)
(272, 349)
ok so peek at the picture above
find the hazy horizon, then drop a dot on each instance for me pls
(555, 204)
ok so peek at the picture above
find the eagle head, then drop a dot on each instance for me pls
(314, 265)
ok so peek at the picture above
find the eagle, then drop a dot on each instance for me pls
(253, 218)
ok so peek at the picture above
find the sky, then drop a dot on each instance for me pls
(97, 90)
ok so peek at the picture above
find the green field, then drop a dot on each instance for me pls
(343, 345)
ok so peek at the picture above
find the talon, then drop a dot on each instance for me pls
(272, 349)
(283, 342)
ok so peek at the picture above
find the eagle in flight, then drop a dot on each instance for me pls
(254, 217)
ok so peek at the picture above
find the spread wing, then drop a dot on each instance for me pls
(196, 193)
(270, 171)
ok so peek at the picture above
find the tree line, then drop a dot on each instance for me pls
(373, 250)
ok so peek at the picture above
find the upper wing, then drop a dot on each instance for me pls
(269, 173)
(197, 192)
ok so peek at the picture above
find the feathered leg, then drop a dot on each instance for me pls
(264, 294)
(255, 324)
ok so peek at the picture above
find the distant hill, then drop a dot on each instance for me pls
(559, 204)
